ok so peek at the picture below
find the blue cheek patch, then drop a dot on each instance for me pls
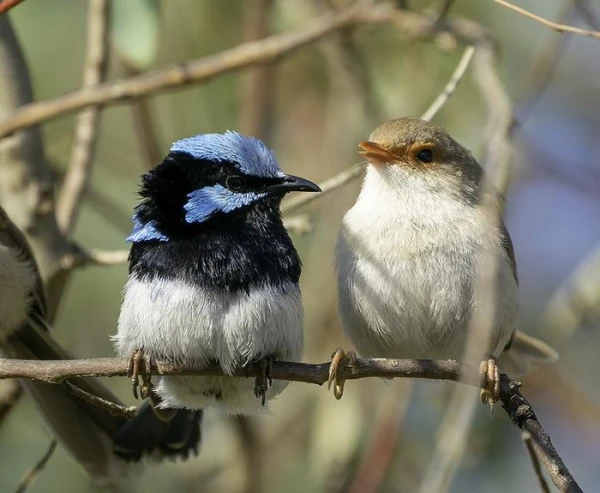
(205, 202)
(145, 232)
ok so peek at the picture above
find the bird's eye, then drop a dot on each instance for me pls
(235, 183)
(425, 155)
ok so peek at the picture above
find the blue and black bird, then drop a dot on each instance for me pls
(213, 279)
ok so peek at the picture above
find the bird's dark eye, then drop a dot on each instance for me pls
(235, 183)
(425, 155)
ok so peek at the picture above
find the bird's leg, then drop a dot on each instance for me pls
(490, 382)
(263, 380)
(140, 366)
(336, 358)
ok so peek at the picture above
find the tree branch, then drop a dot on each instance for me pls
(6, 5)
(269, 49)
(513, 402)
(561, 28)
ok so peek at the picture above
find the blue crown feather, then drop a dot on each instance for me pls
(250, 155)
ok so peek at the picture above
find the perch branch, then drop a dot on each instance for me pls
(516, 406)
(561, 28)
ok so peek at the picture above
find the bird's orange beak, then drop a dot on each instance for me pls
(376, 154)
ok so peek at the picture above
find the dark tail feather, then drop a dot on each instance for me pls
(147, 433)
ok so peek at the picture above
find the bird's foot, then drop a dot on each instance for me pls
(338, 357)
(263, 380)
(140, 366)
(490, 382)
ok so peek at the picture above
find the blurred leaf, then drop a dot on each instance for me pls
(135, 32)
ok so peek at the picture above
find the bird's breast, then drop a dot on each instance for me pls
(186, 323)
(406, 282)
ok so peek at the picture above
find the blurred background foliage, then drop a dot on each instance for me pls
(319, 105)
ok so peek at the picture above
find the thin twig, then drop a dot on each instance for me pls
(327, 186)
(257, 84)
(516, 406)
(576, 299)
(10, 393)
(111, 407)
(6, 5)
(413, 24)
(35, 470)
(103, 257)
(535, 462)
(450, 87)
(80, 166)
(299, 224)
(542, 70)
(561, 28)
(355, 170)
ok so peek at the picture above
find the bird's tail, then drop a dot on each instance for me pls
(84, 430)
(525, 354)
(147, 433)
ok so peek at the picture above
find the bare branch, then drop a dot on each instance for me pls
(10, 393)
(516, 406)
(269, 49)
(535, 462)
(561, 28)
(327, 186)
(451, 86)
(35, 470)
(355, 170)
(111, 407)
(299, 224)
(6, 5)
(79, 170)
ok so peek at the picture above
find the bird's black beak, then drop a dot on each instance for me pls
(291, 183)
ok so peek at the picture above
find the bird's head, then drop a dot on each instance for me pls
(415, 152)
(209, 178)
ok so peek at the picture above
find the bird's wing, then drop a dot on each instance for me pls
(507, 244)
(525, 350)
(12, 237)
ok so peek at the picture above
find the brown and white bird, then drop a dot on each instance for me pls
(408, 252)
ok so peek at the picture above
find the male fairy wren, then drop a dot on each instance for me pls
(213, 273)
(409, 249)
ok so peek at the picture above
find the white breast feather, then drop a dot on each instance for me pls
(194, 326)
(17, 280)
(405, 265)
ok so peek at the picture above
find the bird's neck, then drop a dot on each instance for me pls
(232, 253)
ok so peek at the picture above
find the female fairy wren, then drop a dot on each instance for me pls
(409, 248)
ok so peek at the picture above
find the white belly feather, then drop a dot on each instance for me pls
(405, 273)
(194, 326)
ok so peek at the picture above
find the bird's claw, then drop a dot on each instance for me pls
(263, 380)
(334, 377)
(490, 382)
(140, 366)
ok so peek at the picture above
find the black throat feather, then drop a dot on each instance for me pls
(229, 252)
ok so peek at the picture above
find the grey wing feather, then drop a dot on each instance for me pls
(12, 237)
